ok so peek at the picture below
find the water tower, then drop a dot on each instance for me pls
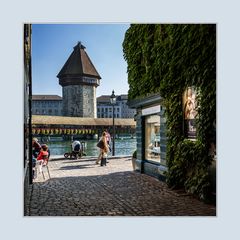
(79, 80)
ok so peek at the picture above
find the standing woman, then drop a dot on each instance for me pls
(103, 150)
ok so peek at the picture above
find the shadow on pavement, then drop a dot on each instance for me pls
(124, 193)
(76, 167)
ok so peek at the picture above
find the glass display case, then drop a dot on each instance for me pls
(152, 138)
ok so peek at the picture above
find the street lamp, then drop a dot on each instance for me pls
(113, 102)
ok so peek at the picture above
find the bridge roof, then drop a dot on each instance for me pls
(59, 120)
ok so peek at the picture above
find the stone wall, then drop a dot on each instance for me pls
(79, 101)
(89, 101)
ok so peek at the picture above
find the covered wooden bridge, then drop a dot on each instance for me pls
(59, 125)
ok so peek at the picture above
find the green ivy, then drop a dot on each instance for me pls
(168, 58)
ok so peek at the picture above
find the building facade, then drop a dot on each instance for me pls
(150, 136)
(52, 105)
(79, 80)
(121, 109)
(47, 105)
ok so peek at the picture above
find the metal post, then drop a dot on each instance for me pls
(113, 147)
(113, 102)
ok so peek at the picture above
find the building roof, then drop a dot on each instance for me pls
(124, 96)
(79, 64)
(106, 98)
(103, 98)
(59, 120)
(46, 97)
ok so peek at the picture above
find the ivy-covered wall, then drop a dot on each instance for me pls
(168, 58)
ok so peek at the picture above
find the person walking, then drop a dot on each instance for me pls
(104, 149)
(108, 138)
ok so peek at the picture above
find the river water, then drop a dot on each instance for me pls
(124, 146)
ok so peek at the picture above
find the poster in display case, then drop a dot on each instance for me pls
(190, 112)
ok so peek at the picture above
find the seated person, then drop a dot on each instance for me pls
(48, 150)
(43, 156)
(76, 146)
(36, 147)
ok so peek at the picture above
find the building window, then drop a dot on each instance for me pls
(152, 138)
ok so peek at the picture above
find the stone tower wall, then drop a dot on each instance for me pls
(79, 101)
(89, 101)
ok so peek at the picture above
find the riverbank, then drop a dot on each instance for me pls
(61, 157)
(122, 147)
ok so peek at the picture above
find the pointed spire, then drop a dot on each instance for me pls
(79, 45)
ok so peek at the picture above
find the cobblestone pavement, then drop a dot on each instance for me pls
(82, 188)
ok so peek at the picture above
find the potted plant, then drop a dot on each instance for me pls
(134, 157)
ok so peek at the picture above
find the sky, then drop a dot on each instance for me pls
(52, 44)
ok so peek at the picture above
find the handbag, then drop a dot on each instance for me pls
(100, 144)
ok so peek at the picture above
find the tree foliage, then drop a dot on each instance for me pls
(168, 58)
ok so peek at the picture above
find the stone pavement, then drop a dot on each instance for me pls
(82, 188)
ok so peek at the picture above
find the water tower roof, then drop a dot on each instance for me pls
(79, 64)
